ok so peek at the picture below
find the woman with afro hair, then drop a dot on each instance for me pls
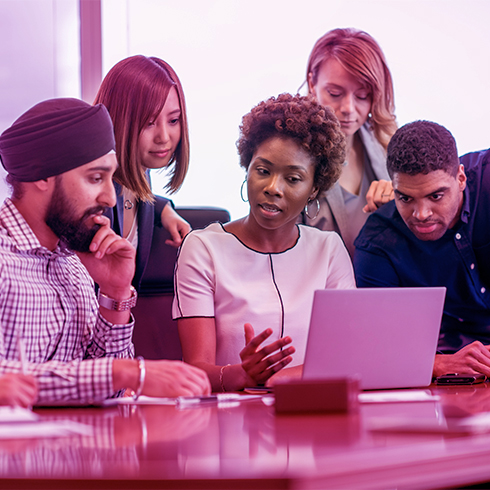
(259, 273)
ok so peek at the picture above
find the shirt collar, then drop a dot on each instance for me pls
(24, 238)
(465, 210)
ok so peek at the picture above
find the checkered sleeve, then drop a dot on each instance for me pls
(109, 340)
(47, 299)
(86, 381)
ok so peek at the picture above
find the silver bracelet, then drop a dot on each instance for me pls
(112, 304)
(221, 371)
(141, 381)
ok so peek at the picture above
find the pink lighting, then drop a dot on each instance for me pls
(433, 50)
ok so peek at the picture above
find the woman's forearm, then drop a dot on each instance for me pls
(229, 377)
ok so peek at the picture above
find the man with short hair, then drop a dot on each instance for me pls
(436, 233)
(54, 244)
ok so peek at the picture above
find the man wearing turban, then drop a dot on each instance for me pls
(54, 244)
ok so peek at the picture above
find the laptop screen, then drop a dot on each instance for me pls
(385, 336)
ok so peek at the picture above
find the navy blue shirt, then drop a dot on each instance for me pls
(388, 254)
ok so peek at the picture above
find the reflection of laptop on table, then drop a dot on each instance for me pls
(386, 336)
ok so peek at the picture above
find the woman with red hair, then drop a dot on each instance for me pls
(146, 103)
(347, 71)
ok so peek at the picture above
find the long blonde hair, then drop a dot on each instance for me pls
(360, 55)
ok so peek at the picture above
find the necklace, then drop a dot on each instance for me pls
(129, 200)
(130, 215)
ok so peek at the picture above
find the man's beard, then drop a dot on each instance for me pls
(62, 220)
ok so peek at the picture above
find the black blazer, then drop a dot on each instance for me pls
(149, 216)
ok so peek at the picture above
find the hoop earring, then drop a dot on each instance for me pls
(241, 191)
(317, 209)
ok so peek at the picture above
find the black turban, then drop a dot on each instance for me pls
(55, 136)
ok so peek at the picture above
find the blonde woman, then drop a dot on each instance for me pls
(347, 72)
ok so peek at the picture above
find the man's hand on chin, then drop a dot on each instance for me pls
(111, 260)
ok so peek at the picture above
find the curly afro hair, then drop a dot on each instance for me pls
(313, 126)
(421, 147)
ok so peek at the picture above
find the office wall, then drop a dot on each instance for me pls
(39, 56)
(230, 54)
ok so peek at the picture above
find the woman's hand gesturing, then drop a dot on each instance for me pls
(260, 363)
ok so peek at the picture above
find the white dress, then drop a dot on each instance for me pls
(216, 275)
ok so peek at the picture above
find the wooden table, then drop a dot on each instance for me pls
(249, 446)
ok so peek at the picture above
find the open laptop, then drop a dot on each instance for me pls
(385, 336)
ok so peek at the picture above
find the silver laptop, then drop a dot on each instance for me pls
(385, 336)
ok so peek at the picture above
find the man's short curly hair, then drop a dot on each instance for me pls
(313, 126)
(421, 147)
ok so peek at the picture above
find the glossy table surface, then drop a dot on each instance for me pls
(246, 445)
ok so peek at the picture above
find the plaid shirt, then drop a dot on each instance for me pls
(47, 298)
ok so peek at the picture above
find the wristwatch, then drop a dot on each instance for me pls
(112, 304)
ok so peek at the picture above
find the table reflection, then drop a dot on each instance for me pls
(120, 440)
(246, 440)
(462, 401)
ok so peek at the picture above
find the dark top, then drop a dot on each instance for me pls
(388, 254)
(149, 216)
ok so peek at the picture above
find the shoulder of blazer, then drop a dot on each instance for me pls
(375, 152)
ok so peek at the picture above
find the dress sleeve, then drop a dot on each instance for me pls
(194, 279)
(341, 274)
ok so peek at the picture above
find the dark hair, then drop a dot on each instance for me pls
(135, 91)
(313, 126)
(360, 55)
(421, 147)
(16, 187)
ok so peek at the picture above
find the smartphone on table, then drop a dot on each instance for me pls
(460, 379)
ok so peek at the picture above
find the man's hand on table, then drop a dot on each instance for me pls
(472, 359)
